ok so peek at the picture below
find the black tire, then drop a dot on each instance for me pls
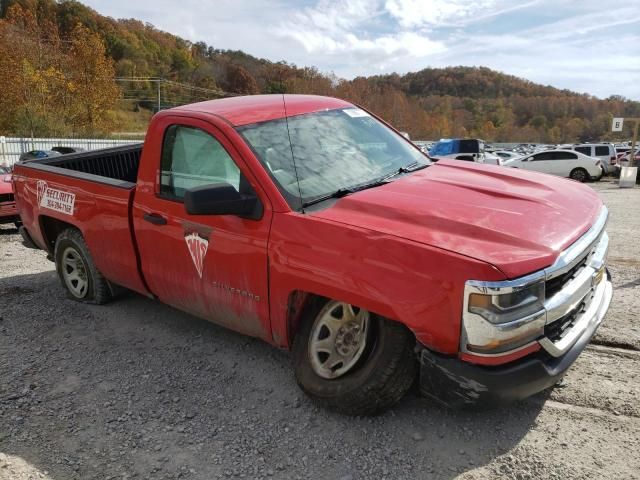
(579, 174)
(382, 376)
(97, 290)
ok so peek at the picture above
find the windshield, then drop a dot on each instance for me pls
(333, 150)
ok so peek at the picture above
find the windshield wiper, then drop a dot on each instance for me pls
(342, 192)
(412, 167)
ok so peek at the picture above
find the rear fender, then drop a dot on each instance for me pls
(51, 228)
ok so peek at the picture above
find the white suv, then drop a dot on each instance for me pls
(606, 152)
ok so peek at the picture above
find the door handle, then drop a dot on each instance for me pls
(155, 218)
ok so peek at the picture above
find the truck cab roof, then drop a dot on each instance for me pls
(245, 110)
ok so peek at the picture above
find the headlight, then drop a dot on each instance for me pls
(507, 307)
(502, 316)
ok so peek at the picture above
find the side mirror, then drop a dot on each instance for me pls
(221, 199)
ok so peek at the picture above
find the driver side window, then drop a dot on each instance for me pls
(190, 158)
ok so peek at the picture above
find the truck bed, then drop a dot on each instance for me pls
(116, 166)
(92, 191)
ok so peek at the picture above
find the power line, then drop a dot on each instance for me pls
(175, 84)
(166, 93)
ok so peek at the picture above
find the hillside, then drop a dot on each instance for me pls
(431, 103)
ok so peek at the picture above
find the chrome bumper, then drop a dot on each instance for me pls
(586, 296)
(579, 293)
(586, 324)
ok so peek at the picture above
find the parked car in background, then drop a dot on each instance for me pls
(38, 154)
(563, 163)
(491, 158)
(623, 159)
(8, 212)
(68, 150)
(606, 152)
(625, 156)
(423, 145)
(469, 149)
(506, 154)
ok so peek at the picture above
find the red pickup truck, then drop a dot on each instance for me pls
(310, 223)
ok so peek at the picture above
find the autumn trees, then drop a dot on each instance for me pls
(58, 61)
(52, 84)
(92, 80)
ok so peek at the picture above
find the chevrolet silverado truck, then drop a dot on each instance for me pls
(312, 224)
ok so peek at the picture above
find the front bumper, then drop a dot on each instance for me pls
(456, 383)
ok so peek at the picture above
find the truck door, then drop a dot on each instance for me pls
(214, 266)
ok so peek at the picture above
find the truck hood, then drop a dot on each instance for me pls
(515, 220)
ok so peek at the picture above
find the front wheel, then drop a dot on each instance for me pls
(76, 270)
(351, 360)
(579, 174)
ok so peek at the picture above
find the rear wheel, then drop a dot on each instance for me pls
(76, 270)
(351, 360)
(579, 174)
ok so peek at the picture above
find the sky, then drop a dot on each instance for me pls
(588, 46)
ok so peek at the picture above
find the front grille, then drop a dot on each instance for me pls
(556, 330)
(6, 197)
(556, 284)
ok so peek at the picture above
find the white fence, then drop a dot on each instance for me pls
(12, 147)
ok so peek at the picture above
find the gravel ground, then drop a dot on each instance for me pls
(136, 389)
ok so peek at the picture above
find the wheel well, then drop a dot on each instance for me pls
(299, 301)
(51, 228)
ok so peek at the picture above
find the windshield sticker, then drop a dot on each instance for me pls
(53, 199)
(198, 249)
(356, 112)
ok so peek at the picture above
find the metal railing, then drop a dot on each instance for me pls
(12, 147)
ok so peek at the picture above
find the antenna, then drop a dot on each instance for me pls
(293, 157)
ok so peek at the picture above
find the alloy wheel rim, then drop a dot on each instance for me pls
(338, 339)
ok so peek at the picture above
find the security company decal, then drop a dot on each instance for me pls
(54, 199)
(198, 249)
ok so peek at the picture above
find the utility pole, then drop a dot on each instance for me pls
(632, 158)
(159, 99)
